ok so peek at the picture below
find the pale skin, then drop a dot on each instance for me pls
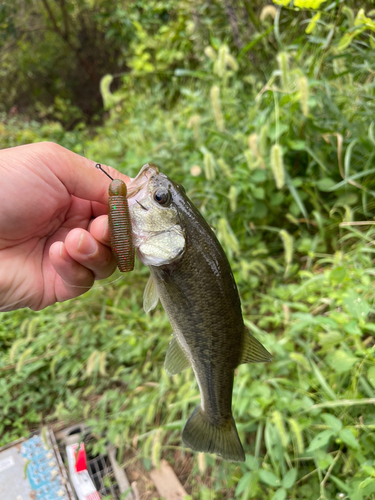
(54, 240)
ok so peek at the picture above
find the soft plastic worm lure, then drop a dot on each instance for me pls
(119, 223)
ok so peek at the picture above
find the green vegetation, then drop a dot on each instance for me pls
(268, 124)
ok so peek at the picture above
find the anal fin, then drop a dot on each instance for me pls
(253, 351)
(176, 360)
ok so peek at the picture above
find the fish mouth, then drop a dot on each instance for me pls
(137, 189)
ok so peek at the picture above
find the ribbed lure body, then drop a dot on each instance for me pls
(120, 229)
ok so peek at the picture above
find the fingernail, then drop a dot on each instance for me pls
(86, 244)
(61, 246)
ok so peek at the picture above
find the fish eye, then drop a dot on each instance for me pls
(162, 196)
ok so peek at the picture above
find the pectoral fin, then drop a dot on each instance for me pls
(253, 351)
(176, 360)
(150, 296)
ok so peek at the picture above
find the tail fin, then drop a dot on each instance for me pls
(202, 435)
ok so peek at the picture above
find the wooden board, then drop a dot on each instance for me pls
(167, 483)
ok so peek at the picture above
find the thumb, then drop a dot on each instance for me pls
(78, 174)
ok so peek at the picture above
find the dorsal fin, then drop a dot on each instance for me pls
(253, 351)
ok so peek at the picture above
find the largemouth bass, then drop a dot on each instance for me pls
(191, 275)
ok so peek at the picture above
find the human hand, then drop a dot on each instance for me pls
(54, 239)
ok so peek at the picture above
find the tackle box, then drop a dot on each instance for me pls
(44, 467)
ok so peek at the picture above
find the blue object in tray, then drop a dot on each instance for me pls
(42, 470)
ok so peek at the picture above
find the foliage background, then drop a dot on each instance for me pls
(265, 114)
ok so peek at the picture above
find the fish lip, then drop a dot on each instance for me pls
(140, 182)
